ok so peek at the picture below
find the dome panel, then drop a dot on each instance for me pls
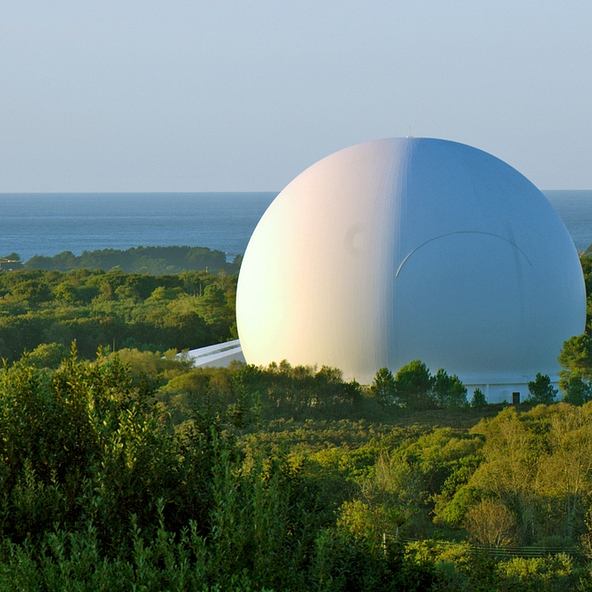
(411, 248)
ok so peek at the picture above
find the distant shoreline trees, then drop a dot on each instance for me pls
(154, 260)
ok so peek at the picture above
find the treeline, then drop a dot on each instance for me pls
(114, 309)
(137, 471)
(154, 260)
(576, 354)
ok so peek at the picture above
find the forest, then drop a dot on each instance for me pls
(51, 309)
(124, 467)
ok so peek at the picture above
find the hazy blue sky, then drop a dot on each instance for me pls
(225, 95)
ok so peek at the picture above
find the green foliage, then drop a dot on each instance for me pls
(537, 465)
(586, 262)
(294, 391)
(136, 503)
(554, 573)
(374, 521)
(576, 355)
(577, 391)
(150, 370)
(99, 489)
(114, 309)
(413, 385)
(346, 562)
(48, 355)
(137, 470)
(459, 567)
(541, 390)
(265, 393)
(383, 387)
(33, 291)
(153, 260)
(576, 362)
(448, 391)
(491, 524)
(415, 388)
(83, 440)
(478, 399)
(263, 521)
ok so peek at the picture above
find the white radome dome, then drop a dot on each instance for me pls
(411, 248)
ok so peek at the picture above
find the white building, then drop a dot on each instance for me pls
(412, 248)
(219, 355)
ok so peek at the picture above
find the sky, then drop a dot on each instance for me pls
(243, 95)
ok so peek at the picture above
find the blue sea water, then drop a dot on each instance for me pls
(575, 209)
(49, 223)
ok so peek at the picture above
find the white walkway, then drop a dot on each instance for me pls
(218, 355)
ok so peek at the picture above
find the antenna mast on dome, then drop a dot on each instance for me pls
(410, 136)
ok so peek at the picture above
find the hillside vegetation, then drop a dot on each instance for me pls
(154, 260)
(131, 469)
(137, 470)
(113, 309)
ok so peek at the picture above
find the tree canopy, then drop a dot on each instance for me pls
(154, 260)
(114, 309)
(413, 387)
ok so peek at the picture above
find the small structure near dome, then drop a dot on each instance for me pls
(412, 248)
(219, 355)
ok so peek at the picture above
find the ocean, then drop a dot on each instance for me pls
(575, 209)
(49, 223)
